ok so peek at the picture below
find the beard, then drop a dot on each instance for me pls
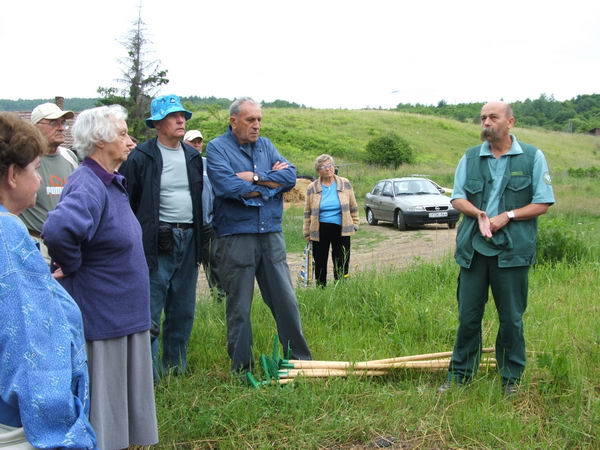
(489, 134)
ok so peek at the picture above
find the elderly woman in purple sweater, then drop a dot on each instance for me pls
(96, 241)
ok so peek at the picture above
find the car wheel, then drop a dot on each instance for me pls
(399, 221)
(452, 225)
(371, 220)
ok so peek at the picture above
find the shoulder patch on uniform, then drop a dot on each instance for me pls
(547, 178)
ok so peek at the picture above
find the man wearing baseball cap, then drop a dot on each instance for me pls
(164, 181)
(195, 139)
(55, 167)
(209, 242)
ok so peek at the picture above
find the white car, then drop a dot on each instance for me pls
(409, 202)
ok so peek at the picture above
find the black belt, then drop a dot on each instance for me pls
(181, 226)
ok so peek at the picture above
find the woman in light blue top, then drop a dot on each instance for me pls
(330, 218)
(44, 399)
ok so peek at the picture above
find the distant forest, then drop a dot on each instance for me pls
(578, 115)
(74, 104)
(79, 104)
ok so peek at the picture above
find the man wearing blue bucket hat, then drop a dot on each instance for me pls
(164, 181)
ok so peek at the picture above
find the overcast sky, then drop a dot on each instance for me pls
(321, 53)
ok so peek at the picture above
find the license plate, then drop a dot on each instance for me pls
(439, 214)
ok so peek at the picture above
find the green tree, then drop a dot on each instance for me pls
(280, 104)
(389, 150)
(140, 82)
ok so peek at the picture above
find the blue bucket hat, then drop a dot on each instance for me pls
(161, 107)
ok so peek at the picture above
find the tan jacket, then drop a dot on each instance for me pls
(313, 202)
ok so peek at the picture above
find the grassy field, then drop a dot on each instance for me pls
(392, 314)
(303, 134)
(386, 314)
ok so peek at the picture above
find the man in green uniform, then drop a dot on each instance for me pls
(501, 187)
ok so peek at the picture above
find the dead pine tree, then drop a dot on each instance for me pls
(140, 81)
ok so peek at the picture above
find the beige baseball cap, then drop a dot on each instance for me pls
(49, 111)
(192, 134)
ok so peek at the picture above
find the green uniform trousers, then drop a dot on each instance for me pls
(509, 289)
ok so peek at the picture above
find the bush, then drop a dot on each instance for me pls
(590, 172)
(389, 150)
(558, 241)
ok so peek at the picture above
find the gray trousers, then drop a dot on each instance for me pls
(242, 258)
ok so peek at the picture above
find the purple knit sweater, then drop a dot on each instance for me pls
(97, 241)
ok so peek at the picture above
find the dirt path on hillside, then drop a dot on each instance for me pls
(383, 248)
(386, 248)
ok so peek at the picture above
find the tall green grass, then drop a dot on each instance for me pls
(378, 315)
(292, 229)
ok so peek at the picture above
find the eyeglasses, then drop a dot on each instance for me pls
(55, 123)
(326, 166)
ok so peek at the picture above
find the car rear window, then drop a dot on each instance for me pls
(409, 187)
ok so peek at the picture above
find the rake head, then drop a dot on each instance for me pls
(276, 355)
(253, 381)
(270, 368)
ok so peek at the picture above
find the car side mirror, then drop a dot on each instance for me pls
(442, 190)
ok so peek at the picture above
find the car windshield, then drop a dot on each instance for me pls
(414, 187)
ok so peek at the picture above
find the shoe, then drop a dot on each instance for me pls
(445, 387)
(511, 390)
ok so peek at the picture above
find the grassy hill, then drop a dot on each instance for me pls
(303, 134)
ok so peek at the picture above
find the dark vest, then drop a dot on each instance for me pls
(515, 243)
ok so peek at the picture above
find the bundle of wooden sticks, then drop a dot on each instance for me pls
(283, 371)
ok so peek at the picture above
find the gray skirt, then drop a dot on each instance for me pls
(122, 409)
(12, 438)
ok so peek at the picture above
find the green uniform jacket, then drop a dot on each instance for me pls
(515, 243)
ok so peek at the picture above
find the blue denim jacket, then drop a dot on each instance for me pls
(234, 214)
(43, 363)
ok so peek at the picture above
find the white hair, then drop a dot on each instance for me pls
(322, 159)
(234, 109)
(96, 125)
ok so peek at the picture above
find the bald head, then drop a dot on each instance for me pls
(502, 106)
(496, 121)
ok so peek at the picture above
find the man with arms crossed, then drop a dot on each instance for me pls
(55, 167)
(249, 177)
(164, 181)
(501, 187)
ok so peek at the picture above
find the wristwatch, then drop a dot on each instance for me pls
(511, 215)
(255, 178)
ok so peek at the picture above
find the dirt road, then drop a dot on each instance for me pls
(384, 248)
